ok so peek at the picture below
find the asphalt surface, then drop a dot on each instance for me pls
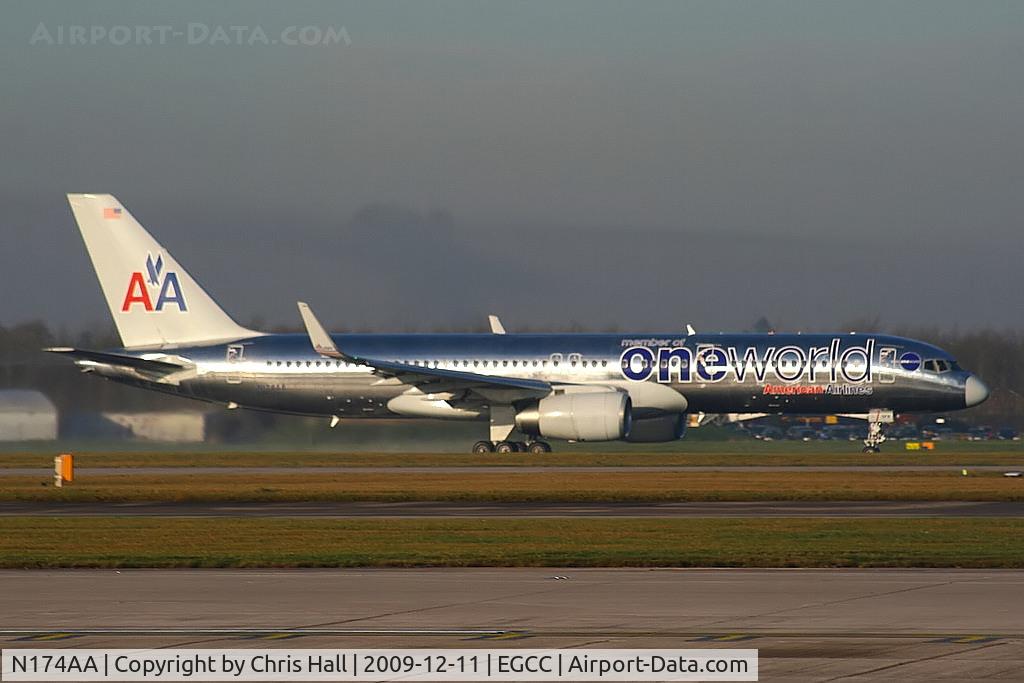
(808, 625)
(341, 510)
(500, 469)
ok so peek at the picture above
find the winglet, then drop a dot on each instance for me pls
(689, 330)
(496, 326)
(322, 342)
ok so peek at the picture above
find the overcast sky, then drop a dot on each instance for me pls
(639, 165)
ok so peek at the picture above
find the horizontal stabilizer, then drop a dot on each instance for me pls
(122, 360)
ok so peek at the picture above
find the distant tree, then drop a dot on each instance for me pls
(763, 326)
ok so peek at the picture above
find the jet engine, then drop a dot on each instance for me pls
(579, 416)
(658, 429)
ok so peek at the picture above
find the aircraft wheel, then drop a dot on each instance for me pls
(483, 447)
(871, 449)
(505, 447)
(539, 447)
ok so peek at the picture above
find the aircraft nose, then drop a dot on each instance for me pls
(975, 391)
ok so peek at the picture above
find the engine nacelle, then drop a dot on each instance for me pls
(579, 416)
(658, 429)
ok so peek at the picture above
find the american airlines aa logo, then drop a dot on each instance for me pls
(164, 285)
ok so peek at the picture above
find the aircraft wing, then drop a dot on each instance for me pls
(457, 379)
(435, 380)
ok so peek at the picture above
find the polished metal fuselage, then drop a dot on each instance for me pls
(749, 373)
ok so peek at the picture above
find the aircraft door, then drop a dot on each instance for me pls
(886, 365)
(235, 354)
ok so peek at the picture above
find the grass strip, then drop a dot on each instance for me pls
(37, 542)
(737, 454)
(556, 486)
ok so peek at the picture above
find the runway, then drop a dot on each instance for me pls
(421, 509)
(819, 625)
(496, 469)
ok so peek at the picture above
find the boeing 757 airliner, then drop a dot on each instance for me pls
(528, 387)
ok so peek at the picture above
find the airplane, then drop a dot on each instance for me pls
(528, 388)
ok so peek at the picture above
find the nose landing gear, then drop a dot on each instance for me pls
(876, 417)
(873, 444)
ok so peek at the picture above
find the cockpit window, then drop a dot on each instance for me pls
(939, 365)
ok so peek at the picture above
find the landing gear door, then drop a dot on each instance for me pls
(886, 365)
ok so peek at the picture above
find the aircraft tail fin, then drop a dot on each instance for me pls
(153, 300)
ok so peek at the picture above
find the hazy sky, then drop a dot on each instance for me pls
(642, 165)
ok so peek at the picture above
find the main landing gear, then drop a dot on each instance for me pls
(511, 447)
(502, 426)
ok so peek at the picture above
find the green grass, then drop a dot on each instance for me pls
(554, 486)
(31, 542)
(695, 454)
